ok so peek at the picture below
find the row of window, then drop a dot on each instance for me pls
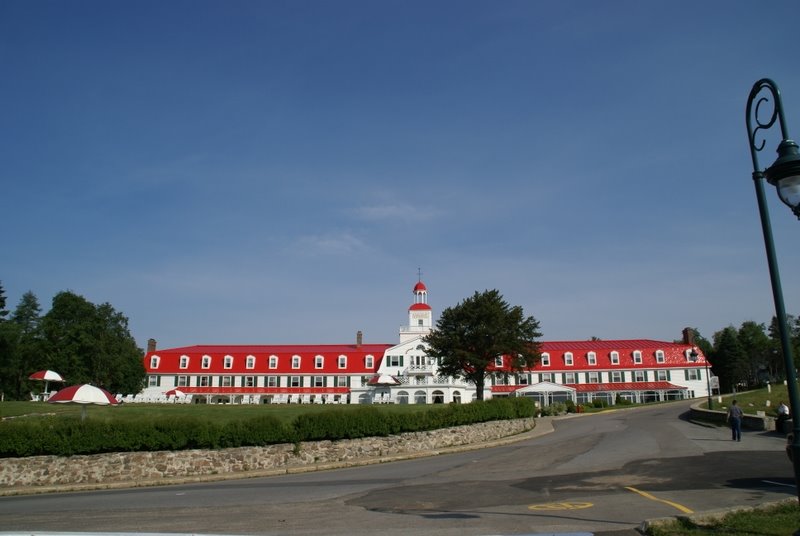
(591, 358)
(614, 376)
(566, 378)
(250, 362)
(257, 381)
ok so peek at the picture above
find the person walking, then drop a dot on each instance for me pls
(735, 415)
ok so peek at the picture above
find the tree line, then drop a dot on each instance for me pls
(750, 355)
(84, 342)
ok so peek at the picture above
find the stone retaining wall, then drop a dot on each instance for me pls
(749, 422)
(125, 469)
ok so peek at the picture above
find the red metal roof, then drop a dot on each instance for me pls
(420, 286)
(169, 359)
(420, 307)
(674, 355)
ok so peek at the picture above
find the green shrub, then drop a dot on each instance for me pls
(69, 435)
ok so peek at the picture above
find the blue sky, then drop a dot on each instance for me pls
(276, 172)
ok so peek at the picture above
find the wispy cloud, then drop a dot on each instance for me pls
(397, 212)
(343, 243)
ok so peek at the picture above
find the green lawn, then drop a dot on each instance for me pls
(754, 401)
(219, 413)
(780, 520)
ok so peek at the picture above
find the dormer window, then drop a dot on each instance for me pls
(637, 357)
(568, 359)
(615, 358)
(591, 358)
(295, 361)
(184, 363)
(498, 362)
(206, 362)
(154, 359)
(369, 361)
(342, 361)
(660, 356)
(545, 361)
(250, 363)
(228, 362)
(273, 361)
(319, 362)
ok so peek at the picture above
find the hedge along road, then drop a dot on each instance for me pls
(601, 474)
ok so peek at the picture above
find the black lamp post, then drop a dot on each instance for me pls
(784, 174)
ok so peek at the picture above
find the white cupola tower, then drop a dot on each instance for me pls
(420, 316)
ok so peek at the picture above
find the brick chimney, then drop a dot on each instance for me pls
(151, 345)
(359, 339)
(688, 336)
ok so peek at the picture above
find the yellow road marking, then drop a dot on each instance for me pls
(673, 504)
(561, 506)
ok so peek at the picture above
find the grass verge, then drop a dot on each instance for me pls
(776, 520)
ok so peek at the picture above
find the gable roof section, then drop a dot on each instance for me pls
(169, 359)
(674, 355)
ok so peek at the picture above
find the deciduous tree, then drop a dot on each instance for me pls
(469, 337)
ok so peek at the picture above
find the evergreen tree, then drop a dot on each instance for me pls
(730, 361)
(757, 349)
(471, 335)
(3, 311)
(91, 344)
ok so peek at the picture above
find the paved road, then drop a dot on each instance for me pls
(601, 474)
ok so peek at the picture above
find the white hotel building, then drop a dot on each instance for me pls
(638, 370)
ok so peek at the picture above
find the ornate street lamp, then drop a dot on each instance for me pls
(784, 174)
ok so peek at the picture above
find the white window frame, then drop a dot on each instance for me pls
(296, 362)
(546, 377)
(498, 361)
(660, 357)
(591, 358)
(184, 362)
(342, 361)
(227, 362)
(545, 360)
(152, 380)
(616, 376)
(206, 362)
(250, 362)
(273, 361)
(569, 359)
(319, 362)
(614, 358)
(295, 381)
(592, 377)
(249, 381)
(662, 375)
(272, 381)
(693, 374)
(637, 357)
(341, 381)
(154, 359)
(204, 381)
(570, 378)
(369, 362)
(226, 381)
(183, 381)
